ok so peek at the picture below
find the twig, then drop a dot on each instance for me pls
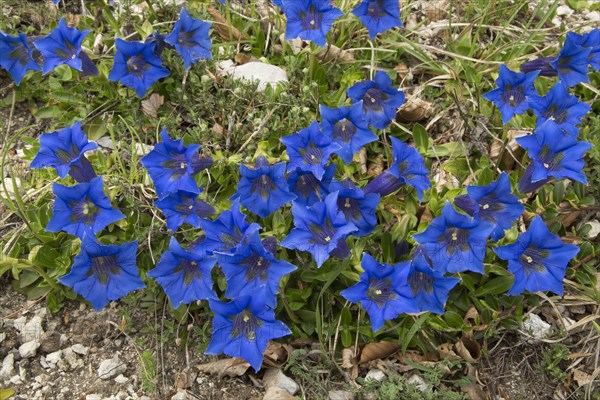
(258, 129)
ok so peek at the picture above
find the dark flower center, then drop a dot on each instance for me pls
(380, 291)
(350, 208)
(256, 266)
(456, 239)
(104, 265)
(532, 259)
(344, 130)
(311, 20)
(84, 211)
(177, 164)
(137, 65)
(65, 157)
(311, 154)
(563, 65)
(69, 52)
(376, 9)
(232, 239)
(322, 235)
(488, 206)
(513, 96)
(550, 161)
(245, 324)
(420, 280)
(264, 185)
(190, 205)
(308, 184)
(556, 114)
(190, 271)
(373, 100)
(20, 53)
(185, 38)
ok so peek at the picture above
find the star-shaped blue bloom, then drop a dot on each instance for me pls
(378, 15)
(320, 229)
(538, 259)
(82, 209)
(383, 291)
(572, 62)
(137, 66)
(358, 207)
(181, 206)
(380, 99)
(16, 56)
(307, 187)
(494, 203)
(101, 273)
(589, 40)
(263, 190)
(243, 327)
(559, 109)
(184, 275)
(384, 184)
(252, 270)
(554, 154)
(347, 128)
(170, 166)
(309, 19)
(228, 230)
(455, 242)
(61, 46)
(190, 38)
(514, 93)
(429, 287)
(409, 166)
(63, 150)
(309, 149)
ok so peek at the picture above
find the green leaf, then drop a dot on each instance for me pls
(497, 285)
(413, 330)
(420, 137)
(6, 393)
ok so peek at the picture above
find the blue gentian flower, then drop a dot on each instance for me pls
(307, 187)
(543, 65)
(589, 40)
(243, 327)
(184, 275)
(61, 46)
(16, 56)
(358, 207)
(559, 109)
(170, 166)
(514, 93)
(494, 203)
(380, 99)
(384, 184)
(554, 154)
(538, 259)
(572, 62)
(137, 66)
(181, 206)
(158, 39)
(309, 149)
(63, 149)
(228, 230)
(253, 271)
(383, 291)
(455, 242)
(347, 128)
(82, 209)
(429, 287)
(310, 19)
(409, 166)
(190, 38)
(320, 229)
(263, 190)
(101, 273)
(378, 15)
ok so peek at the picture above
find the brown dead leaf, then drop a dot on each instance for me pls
(402, 69)
(582, 378)
(186, 378)
(334, 53)
(225, 367)
(377, 167)
(374, 351)
(468, 348)
(436, 10)
(151, 105)
(218, 130)
(414, 110)
(474, 392)
(499, 149)
(277, 354)
(277, 393)
(242, 58)
(348, 358)
(226, 32)
(361, 159)
(446, 352)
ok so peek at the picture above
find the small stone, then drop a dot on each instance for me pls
(27, 350)
(8, 366)
(265, 74)
(340, 395)
(375, 375)
(16, 380)
(121, 379)
(19, 323)
(564, 11)
(93, 396)
(80, 349)
(43, 362)
(53, 358)
(592, 233)
(32, 330)
(2, 336)
(180, 395)
(71, 358)
(593, 16)
(122, 395)
(418, 382)
(50, 342)
(537, 327)
(111, 368)
(274, 377)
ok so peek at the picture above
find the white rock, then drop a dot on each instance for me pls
(106, 141)
(121, 379)
(565, 11)
(265, 74)
(80, 349)
(375, 375)
(93, 396)
(180, 395)
(43, 362)
(340, 395)
(537, 327)
(27, 350)
(19, 323)
(418, 382)
(16, 380)
(2, 336)
(10, 187)
(8, 366)
(556, 21)
(595, 224)
(593, 16)
(142, 149)
(53, 358)
(111, 368)
(32, 329)
(274, 377)
(71, 358)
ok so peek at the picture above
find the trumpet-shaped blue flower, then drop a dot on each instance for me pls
(347, 128)
(380, 99)
(309, 19)
(429, 287)
(190, 38)
(514, 93)
(494, 203)
(307, 187)
(538, 259)
(184, 275)
(61, 46)
(378, 15)
(409, 166)
(455, 242)
(137, 66)
(243, 327)
(383, 291)
(63, 149)
(16, 56)
(319, 229)
(559, 110)
(543, 65)
(101, 273)
(170, 166)
(228, 230)
(309, 149)
(181, 207)
(253, 270)
(571, 64)
(263, 190)
(384, 184)
(358, 207)
(590, 40)
(82, 209)
(554, 154)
